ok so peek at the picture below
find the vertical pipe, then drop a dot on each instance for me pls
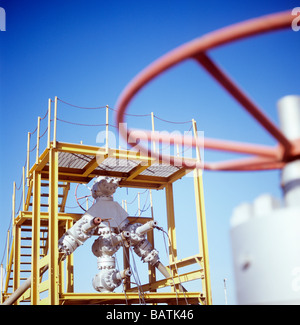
(139, 204)
(70, 266)
(151, 205)
(171, 225)
(38, 140)
(289, 117)
(23, 188)
(53, 228)
(55, 122)
(201, 223)
(195, 136)
(153, 130)
(28, 157)
(107, 122)
(87, 203)
(202, 235)
(49, 123)
(61, 264)
(150, 237)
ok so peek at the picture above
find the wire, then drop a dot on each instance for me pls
(128, 114)
(175, 264)
(43, 133)
(134, 273)
(137, 280)
(123, 286)
(171, 273)
(172, 122)
(81, 107)
(42, 118)
(80, 124)
(137, 196)
(77, 200)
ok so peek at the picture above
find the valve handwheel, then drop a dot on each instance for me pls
(263, 157)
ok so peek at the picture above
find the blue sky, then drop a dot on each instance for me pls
(85, 52)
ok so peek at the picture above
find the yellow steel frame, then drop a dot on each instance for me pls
(44, 250)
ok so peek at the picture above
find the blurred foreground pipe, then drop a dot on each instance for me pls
(22, 288)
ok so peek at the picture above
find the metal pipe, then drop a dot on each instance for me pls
(92, 224)
(289, 117)
(21, 289)
(18, 293)
(55, 122)
(120, 238)
(163, 270)
(142, 230)
(123, 274)
(38, 140)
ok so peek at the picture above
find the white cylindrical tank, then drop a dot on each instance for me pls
(266, 254)
(265, 234)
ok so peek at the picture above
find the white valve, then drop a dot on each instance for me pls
(107, 219)
(104, 186)
(82, 230)
(108, 279)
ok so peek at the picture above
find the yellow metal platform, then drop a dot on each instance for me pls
(38, 226)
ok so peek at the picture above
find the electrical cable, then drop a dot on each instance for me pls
(175, 264)
(134, 273)
(81, 107)
(172, 122)
(80, 124)
(137, 278)
(171, 273)
(123, 286)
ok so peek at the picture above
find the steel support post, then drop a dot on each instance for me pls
(202, 235)
(53, 228)
(150, 237)
(61, 266)
(49, 123)
(171, 223)
(171, 226)
(70, 266)
(151, 268)
(55, 123)
(106, 128)
(35, 255)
